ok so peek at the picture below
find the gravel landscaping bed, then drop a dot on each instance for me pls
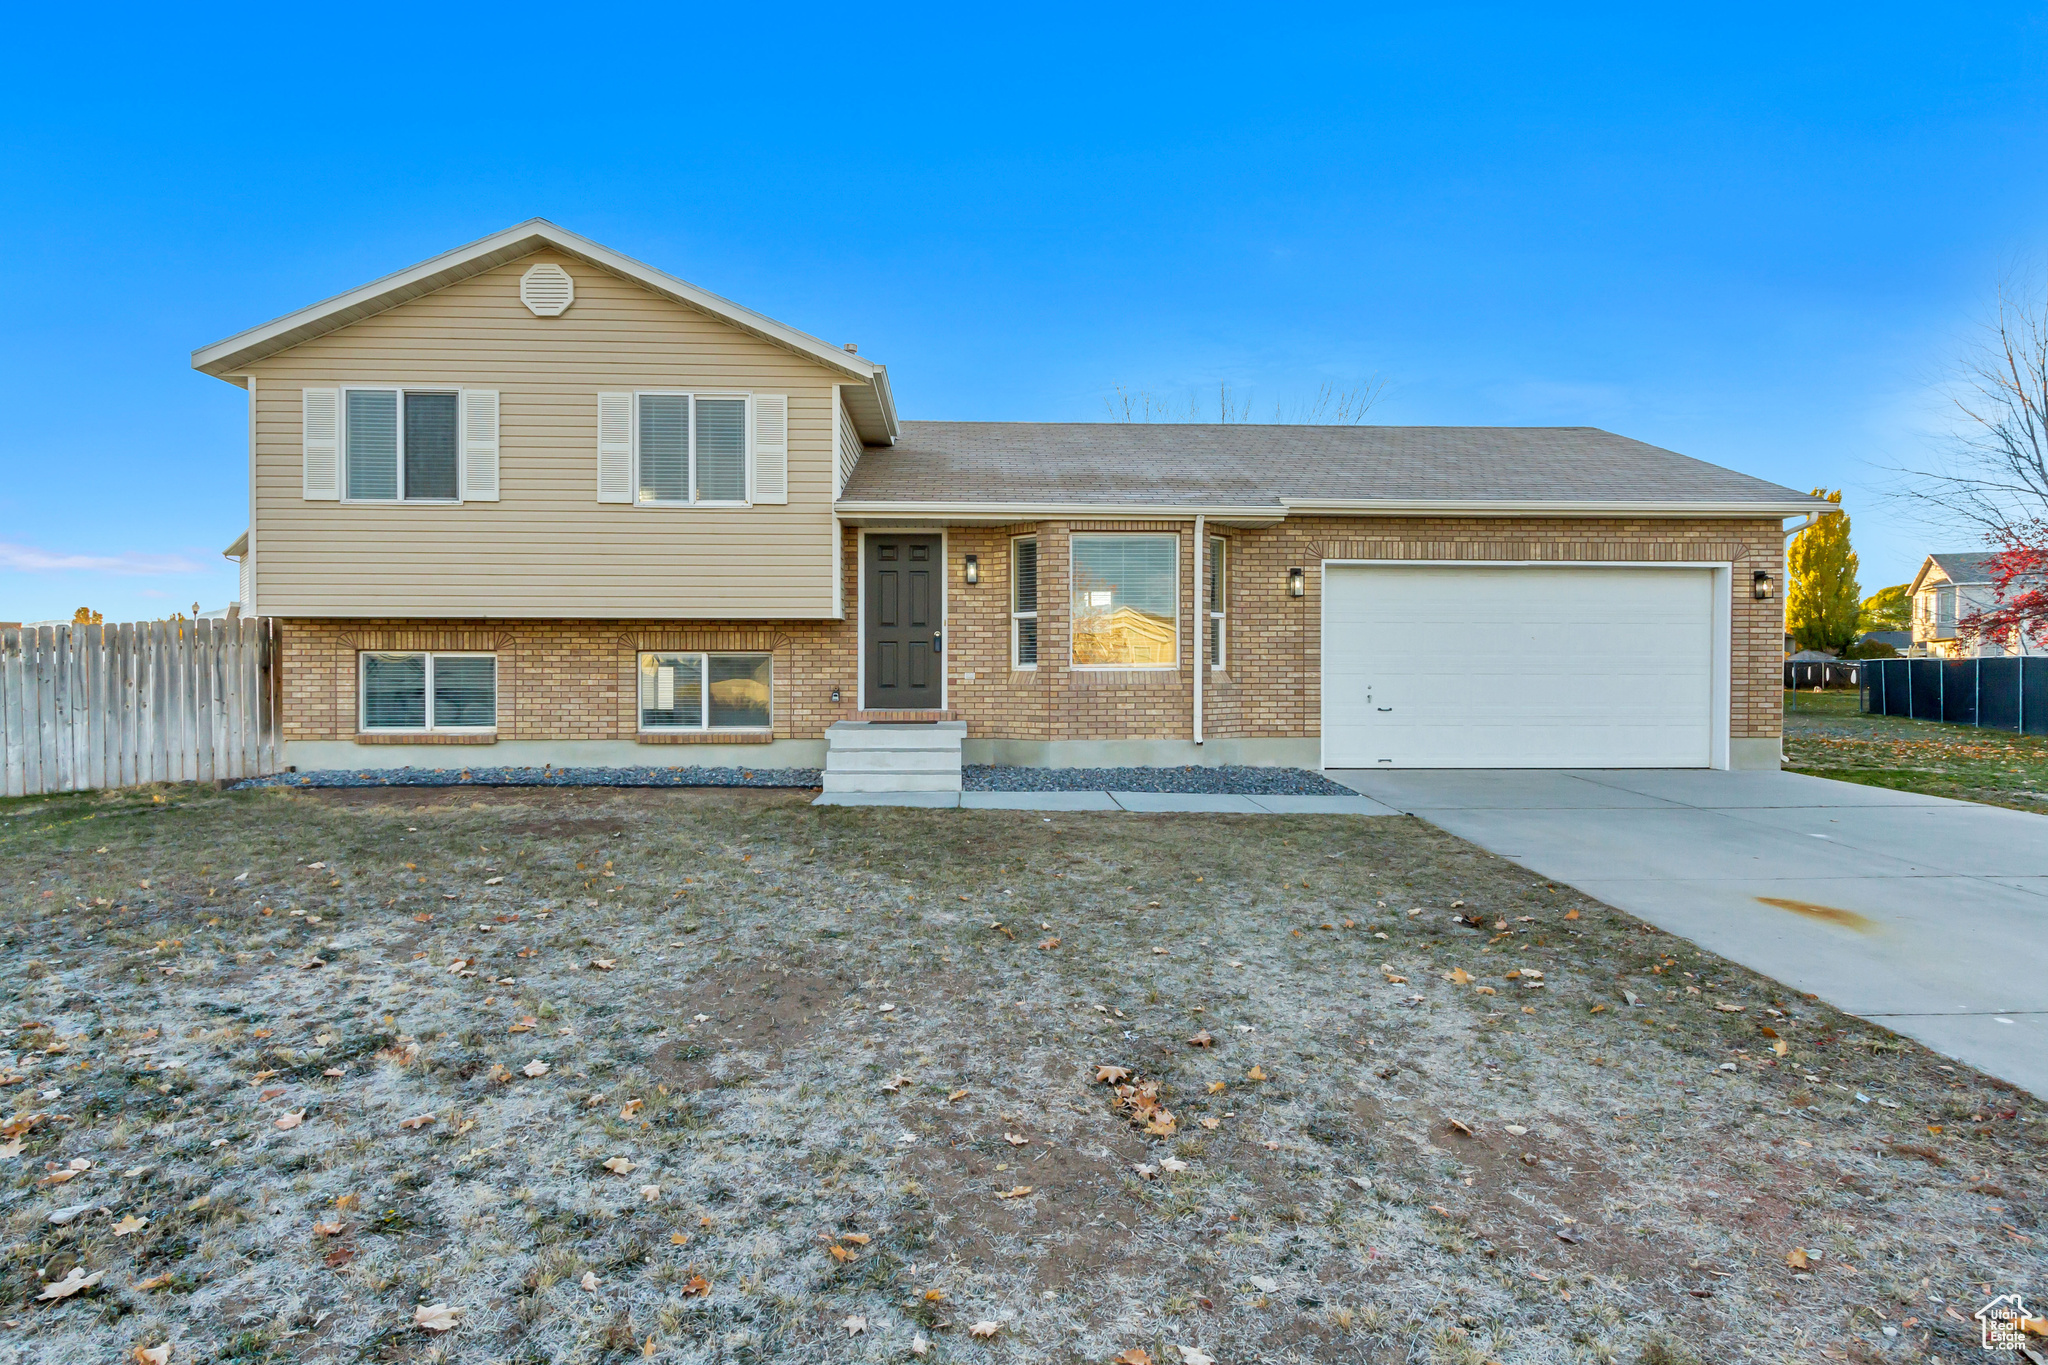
(542, 777)
(1223, 781)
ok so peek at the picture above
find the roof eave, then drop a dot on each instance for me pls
(244, 348)
(997, 513)
(1270, 512)
(1554, 507)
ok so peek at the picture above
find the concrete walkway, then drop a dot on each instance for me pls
(1927, 915)
(1148, 802)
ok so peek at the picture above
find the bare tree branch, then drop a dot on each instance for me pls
(1331, 406)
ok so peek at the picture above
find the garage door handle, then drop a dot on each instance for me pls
(1386, 708)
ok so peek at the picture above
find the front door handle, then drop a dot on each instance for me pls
(936, 643)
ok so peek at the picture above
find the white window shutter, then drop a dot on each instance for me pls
(771, 447)
(320, 430)
(480, 445)
(615, 447)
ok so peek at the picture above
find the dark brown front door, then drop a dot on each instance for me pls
(903, 603)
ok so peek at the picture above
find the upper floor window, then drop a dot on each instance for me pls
(401, 445)
(1126, 601)
(690, 448)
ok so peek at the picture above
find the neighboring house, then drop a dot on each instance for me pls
(1948, 589)
(538, 496)
(1900, 640)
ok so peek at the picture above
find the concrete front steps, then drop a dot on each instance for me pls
(864, 758)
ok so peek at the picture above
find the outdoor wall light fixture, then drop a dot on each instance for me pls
(835, 694)
(973, 571)
(1760, 586)
(1295, 586)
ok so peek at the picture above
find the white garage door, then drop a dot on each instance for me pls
(1524, 667)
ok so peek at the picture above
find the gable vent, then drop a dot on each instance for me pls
(547, 290)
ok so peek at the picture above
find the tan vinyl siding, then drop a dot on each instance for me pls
(547, 548)
(850, 448)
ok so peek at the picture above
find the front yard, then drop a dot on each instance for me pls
(724, 1077)
(1826, 736)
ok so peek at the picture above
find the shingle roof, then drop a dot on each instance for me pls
(1963, 568)
(1251, 465)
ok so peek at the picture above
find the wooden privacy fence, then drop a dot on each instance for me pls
(84, 707)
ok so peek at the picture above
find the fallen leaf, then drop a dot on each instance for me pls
(417, 1121)
(1136, 1355)
(618, 1165)
(333, 1229)
(984, 1329)
(1201, 1039)
(1256, 1074)
(650, 1193)
(1517, 1129)
(854, 1325)
(154, 1283)
(1112, 1074)
(919, 1344)
(74, 1280)
(1460, 1128)
(334, 1071)
(696, 1286)
(1217, 1087)
(590, 1282)
(604, 964)
(536, 1067)
(1167, 1163)
(631, 1108)
(435, 1317)
(859, 1239)
(1017, 1192)
(1781, 1047)
(347, 1201)
(1190, 1356)
(839, 1253)
(1459, 976)
(1212, 1123)
(1796, 1258)
(527, 1023)
(1486, 990)
(291, 1121)
(130, 1224)
(153, 1355)
(1571, 914)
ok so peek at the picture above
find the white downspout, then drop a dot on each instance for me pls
(1201, 627)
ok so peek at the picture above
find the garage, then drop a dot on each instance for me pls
(1524, 666)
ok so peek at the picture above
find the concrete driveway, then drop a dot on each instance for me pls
(1927, 915)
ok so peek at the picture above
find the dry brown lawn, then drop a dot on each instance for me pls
(725, 1077)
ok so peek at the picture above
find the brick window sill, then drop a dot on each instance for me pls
(426, 739)
(749, 737)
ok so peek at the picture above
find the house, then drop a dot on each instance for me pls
(533, 501)
(1947, 590)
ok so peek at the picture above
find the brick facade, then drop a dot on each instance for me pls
(575, 680)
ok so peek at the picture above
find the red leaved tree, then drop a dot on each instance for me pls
(1992, 477)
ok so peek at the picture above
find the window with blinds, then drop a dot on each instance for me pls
(1214, 593)
(1024, 602)
(691, 449)
(428, 692)
(401, 445)
(1125, 595)
(701, 691)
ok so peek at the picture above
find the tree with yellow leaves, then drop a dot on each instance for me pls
(1823, 604)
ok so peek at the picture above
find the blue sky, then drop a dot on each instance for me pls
(1760, 237)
